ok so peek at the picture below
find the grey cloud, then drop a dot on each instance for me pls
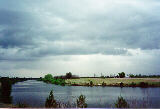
(35, 27)
(81, 36)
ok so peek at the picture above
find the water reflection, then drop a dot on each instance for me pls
(69, 92)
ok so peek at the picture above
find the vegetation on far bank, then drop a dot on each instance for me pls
(120, 80)
(50, 79)
(58, 80)
(124, 82)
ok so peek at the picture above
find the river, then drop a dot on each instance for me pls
(34, 94)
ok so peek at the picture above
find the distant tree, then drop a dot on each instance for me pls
(81, 103)
(69, 75)
(103, 77)
(94, 75)
(107, 77)
(131, 76)
(48, 77)
(121, 75)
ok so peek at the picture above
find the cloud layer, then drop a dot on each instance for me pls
(37, 30)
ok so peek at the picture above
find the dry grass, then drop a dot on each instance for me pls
(113, 81)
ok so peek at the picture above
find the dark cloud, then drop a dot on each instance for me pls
(34, 29)
(132, 28)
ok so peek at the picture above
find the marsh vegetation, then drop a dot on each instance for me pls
(125, 82)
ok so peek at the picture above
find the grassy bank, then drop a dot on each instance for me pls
(126, 82)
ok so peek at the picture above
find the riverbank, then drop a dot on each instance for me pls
(123, 82)
(5, 91)
(0, 86)
(2, 105)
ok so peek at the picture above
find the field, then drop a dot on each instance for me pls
(114, 81)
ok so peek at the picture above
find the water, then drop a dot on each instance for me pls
(34, 94)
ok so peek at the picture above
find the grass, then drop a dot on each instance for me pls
(114, 81)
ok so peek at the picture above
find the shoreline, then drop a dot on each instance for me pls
(114, 82)
(111, 86)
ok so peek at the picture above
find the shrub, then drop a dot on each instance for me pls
(103, 84)
(121, 75)
(143, 84)
(21, 105)
(133, 84)
(91, 83)
(121, 84)
(50, 101)
(131, 76)
(60, 82)
(49, 79)
(103, 77)
(121, 103)
(81, 102)
(86, 84)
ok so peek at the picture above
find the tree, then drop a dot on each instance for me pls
(69, 75)
(121, 75)
(131, 76)
(48, 77)
(81, 103)
(50, 101)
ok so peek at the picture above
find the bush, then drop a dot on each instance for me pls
(22, 105)
(121, 75)
(143, 84)
(121, 103)
(81, 102)
(86, 84)
(131, 76)
(50, 101)
(121, 84)
(103, 84)
(103, 77)
(60, 82)
(49, 79)
(133, 84)
(91, 83)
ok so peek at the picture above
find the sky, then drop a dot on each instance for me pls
(85, 37)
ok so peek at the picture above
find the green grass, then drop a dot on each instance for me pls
(113, 81)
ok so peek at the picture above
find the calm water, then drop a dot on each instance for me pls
(34, 93)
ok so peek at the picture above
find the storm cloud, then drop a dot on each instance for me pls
(104, 32)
